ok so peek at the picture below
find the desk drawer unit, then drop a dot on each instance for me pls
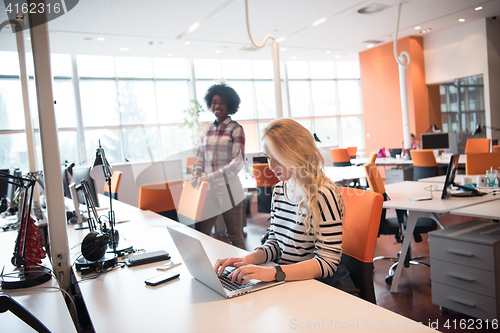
(465, 269)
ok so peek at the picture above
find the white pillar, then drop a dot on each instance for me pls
(277, 79)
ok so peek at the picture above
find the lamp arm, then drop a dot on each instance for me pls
(404, 53)
(250, 34)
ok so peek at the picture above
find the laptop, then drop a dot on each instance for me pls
(200, 267)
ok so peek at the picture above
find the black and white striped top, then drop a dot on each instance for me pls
(288, 243)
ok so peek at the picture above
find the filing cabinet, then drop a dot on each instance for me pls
(465, 268)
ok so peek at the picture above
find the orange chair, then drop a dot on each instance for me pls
(477, 145)
(359, 237)
(424, 163)
(265, 182)
(191, 203)
(477, 164)
(340, 157)
(115, 184)
(373, 157)
(495, 149)
(190, 164)
(351, 151)
(161, 198)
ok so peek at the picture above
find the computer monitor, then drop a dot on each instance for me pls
(259, 159)
(4, 186)
(66, 179)
(83, 173)
(451, 172)
(438, 141)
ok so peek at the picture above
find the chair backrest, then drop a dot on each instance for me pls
(351, 151)
(373, 157)
(190, 164)
(423, 157)
(477, 145)
(115, 184)
(477, 164)
(340, 157)
(374, 178)
(495, 149)
(191, 203)
(263, 175)
(160, 197)
(360, 226)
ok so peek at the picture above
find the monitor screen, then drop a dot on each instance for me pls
(439, 141)
(451, 171)
(4, 185)
(83, 173)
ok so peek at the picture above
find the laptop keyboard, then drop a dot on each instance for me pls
(228, 284)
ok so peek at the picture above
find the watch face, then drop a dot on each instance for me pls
(280, 275)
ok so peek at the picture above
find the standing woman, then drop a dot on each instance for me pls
(305, 238)
(220, 157)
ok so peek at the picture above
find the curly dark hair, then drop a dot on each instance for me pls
(227, 93)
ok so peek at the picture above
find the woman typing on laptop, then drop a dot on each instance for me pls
(305, 236)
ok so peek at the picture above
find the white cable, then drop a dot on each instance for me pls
(248, 29)
(404, 53)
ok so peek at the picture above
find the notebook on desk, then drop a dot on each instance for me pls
(200, 267)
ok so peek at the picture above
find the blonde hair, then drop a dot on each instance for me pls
(293, 146)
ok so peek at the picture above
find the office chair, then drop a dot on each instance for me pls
(340, 157)
(191, 203)
(478, 163)
(265, 182)
(190, 165)
(115, 184)
(397, 226)
(161, 198)
(424, 164)
(495, 149)
(477, 145)
(373, 157)
(351, 151)
(359, 237)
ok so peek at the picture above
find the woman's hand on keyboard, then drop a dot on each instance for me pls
(221, 264)
(246, 273)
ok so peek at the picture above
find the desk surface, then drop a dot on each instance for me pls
(443, 159)
(119, 300)
(44, 301)
(401, 193)
(487, 210)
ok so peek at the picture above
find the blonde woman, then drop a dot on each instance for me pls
(305, 236)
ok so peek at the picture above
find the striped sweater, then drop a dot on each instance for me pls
(288, 243)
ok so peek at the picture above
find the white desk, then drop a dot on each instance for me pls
(487, 210)
(400, 193)
(43, 301)
(345, 173)
(119, 301)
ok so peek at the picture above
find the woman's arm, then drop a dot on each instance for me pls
(256, 257)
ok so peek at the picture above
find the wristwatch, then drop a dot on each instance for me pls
(280, 275)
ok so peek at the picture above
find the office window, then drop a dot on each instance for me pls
(297, 69)
(352, 131)
(110, 141)
(300, 99)
(136, 67)
(327, 130)
(322, 69)
(9, 64)
(172, 99)
(263, 69)
(236, 69)
(14, 151)
(348, 70)
(247, 104)
(265, 99)
(65, 103)
(60, 65)
(99, 102)
(11, 104)
(175, 139)
(68, 147)
(137, 102)
(171, 68)
(95, 66)
(207, 69)
(349, 97)
(138, 142)
(323, 98)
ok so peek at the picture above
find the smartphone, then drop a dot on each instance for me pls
(168, 265)
(161, 278)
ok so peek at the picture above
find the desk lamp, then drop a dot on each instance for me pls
(479, 127)
(434, 128)
(26, 250)
(102, 170)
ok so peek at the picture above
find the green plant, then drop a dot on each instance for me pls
(192, 121)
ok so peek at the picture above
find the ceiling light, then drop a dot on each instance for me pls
(123, 49)
(369, 46)
(417, 27)
(186, 43)
(425, 31)
(372, 8)
(101, 39)
(318, 22)
(194, 27)
(478, 8)
(461, 20)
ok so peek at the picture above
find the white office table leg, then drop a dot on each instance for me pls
(413, 216)
(410, 227)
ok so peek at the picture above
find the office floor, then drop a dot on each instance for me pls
(414, 299)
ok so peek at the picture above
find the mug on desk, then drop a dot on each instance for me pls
(481, 181)
(491, 177)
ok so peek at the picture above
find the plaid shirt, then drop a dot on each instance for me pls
(223, 147)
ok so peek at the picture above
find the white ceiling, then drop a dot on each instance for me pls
(160, 27)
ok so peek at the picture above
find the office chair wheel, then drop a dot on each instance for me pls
(388, 279)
